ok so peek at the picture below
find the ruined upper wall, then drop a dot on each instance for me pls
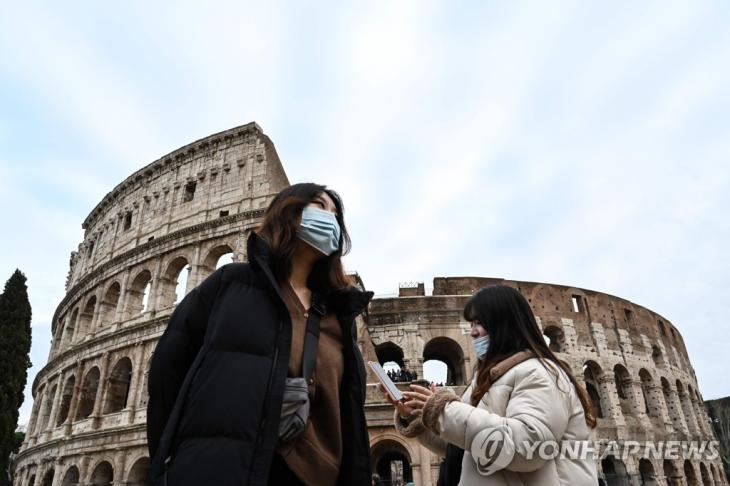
(222, 174)
(552, 302)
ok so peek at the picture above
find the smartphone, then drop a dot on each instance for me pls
(390, 387)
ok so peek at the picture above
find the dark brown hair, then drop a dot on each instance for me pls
(508, 318)
(279, 230)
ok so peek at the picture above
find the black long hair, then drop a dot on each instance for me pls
(506, 315)
(279, 230)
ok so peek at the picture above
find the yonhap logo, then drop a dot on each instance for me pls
(492, 450)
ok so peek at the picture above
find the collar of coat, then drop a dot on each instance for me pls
(507, 364)
(349, 301)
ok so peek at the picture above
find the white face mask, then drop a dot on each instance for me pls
(481, 345)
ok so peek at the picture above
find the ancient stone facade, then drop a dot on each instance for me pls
(180, 217)
(632, 361)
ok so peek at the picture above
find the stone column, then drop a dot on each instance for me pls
(196, 271)
(136, 380)
(675, 412)
(56, 399)
(657, 397)
(689, 415)
(84, 472)
(609, 399)
(121, 303)
(120, 467)
(638, 404)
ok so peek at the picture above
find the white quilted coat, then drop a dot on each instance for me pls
(529, 407)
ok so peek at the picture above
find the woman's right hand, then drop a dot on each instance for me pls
(403, 410)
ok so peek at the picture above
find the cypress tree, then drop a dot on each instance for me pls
(15, 314)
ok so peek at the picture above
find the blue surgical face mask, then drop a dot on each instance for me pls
(481, 345)
(320, 229)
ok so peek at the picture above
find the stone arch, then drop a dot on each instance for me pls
(657, 356)
(690, 474)
(48, 477)
(138, 294)
(83, 327)
(31, 481)
(66, 396)
(705, 475)
(653, 406)
(614, 471)
(388, 352)
(71, 478)
(592, 373)
(102, 475)
(137, 475)
(555, 338)
(46, 408)
(69, 328)
(624, 385)
(171, 288)
(392, 460)
(88, 393)
(109, 304)
(117, 391)
(646, 473)
(449, 352)
(214, 259)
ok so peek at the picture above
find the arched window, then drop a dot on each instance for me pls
(48, 478)
(108, 306)
(117, 390)
(646, 471)
(71, 478)
(705, 475)
(652, 406)
(68, 331)
(592, 372)
(65, 405)
(217, 257)
(391, 461)
(555, 339)
(46, 409)
(83, 327)
(103, 475)
(451, 355)
(88, 394)
(138, 473)
(614, 470)
(657, 356)
(173, 283)
(689, 473)
(139, 293)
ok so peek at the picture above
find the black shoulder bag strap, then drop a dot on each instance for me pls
(311, 339)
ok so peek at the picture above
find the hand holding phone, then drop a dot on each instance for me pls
(387, 384)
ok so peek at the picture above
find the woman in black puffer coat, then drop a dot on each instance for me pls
(216, 379)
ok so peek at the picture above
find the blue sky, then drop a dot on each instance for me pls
(580, 143)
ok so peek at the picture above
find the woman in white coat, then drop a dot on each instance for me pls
(524, 420)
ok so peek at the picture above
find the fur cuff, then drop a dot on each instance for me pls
(434, 406)
(409, 427)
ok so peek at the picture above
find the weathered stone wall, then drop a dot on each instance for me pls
(633, 360)
(88, 419)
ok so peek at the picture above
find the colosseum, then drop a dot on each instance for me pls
(170, 224)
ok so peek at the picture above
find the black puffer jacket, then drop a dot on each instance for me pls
(217, 377)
